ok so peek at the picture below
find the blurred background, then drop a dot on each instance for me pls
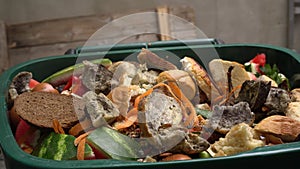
(33, 28)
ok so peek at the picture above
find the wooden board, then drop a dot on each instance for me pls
(54, 31)
(53, 37)
(73, 29)
(4, 60)
(163, 23)
(19, 55)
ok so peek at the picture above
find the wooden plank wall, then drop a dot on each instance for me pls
(53, 37)
(4, 60)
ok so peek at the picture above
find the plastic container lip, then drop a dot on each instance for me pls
(13, 153)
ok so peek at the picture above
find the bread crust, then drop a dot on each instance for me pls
(283, 127)
(293, 111)
(199, 74)
(295, 95)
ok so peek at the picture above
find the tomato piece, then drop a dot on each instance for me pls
(44, 87)
(33, 83)
(26, 136)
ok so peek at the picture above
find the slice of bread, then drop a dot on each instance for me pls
(219, 69)
(41, 108)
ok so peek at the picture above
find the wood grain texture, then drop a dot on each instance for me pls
(4, 59)
(163, 23)
(19, 55)
(54, 37)
(54, 31)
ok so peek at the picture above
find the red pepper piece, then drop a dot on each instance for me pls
(75, 85)
(73, 79)
(259, 59)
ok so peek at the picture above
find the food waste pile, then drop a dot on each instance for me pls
(150, 110)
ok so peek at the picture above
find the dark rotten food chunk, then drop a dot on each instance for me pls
(100, 108)
(254, 93)
(224, 117)
(19, 85)
(277, 100)
(96, 77)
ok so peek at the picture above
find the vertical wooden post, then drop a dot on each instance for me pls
(4, 59)
(291, 21)
(163, 23)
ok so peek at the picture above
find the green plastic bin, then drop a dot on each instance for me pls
(280, 155)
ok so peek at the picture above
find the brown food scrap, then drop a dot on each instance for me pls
(204, 81)
(182, 79)
(175, 157)
(154, 61)
(81, 137)
(121, 96)
(283, 127)
(57, 127)
(81, 127)
(272, 139)
(80, 149)
(293, 111)
(295, 95)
